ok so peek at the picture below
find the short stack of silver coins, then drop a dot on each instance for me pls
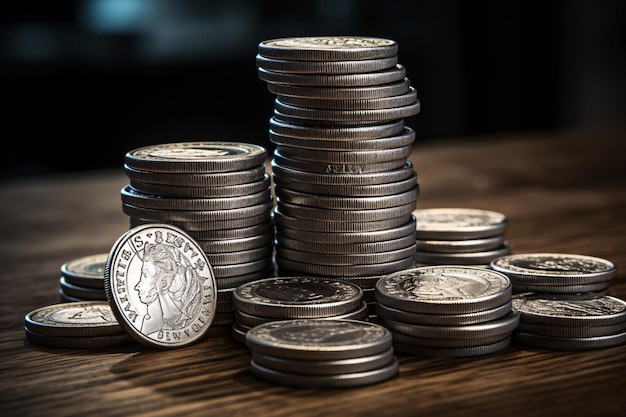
(82, 279)
(447, 311)
(563, 300)
(217, 192)
(459, 236)
(345, 189)
(316, 354)
(284, 298)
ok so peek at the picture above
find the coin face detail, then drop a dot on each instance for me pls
(161, 286)
(328, 48)
(570, 306)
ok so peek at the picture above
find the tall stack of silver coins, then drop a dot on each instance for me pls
(344, 186)
(217, 192)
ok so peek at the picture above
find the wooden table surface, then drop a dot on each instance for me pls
(562, 192)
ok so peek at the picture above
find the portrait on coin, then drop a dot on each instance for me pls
(170, 289)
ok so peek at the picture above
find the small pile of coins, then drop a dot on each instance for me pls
(284, 298)
(75, 325)
(447, 311)
(570, 321)
(217, 192)
(459, 236)
(345, 189)
(82, 279)
(312, 353)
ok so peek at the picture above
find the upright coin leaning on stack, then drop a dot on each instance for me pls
(345, 189)
(217, 192)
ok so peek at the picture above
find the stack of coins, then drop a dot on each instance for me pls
(75, 325)
(311, 353)
(284, 298)
(345, 190)
(558, 273)
(459, 236)
(570, 321)
(217, 192)
(82, 279)
(447, 311)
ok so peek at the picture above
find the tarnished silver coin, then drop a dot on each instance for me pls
(555, 269)
(448, 343)
(444, 289)
(160, 285)
(314, 339)
(336, 168)
(326, 67)
(346, 248)
(199, 229)
(188, 179)
(344, 258)
(86, 271)
(387, 76)
(297, 297)
(406, 99)
(347, 93)
(375, 131)
(570, 343)
(571, 310)
(261, 240)
(358, 215)
(462, 258)
(167, 216)
(177, 191)
(596, 287)
(368, 156)
(451, 352)
(347, 203)
(75, 319)
(328, 48)
(196, 157)
(458, 223)
(570, 331)
(284, 221)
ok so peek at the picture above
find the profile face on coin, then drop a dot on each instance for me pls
(160, 285)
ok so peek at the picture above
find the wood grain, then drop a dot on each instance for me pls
(562, 192)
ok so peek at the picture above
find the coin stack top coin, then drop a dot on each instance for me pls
(82, 279)
(345, 188)
(219, 193)
(447, 311)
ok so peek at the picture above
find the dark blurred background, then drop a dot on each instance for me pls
(83, 82)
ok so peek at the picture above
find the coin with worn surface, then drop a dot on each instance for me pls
(161, 286)
(314, 339)
(444, 289)
(572, 310)
(86, 271)
(75, 319)
(351, 379)
(326, 67)
(570, 343)
(458, 223)
(346, 93)
(297, 297)
(328, 48)
(196, 157)
(555, 268)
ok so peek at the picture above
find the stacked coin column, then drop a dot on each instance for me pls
(345, 189)
(217, 192)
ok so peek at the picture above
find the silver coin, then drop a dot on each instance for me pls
(501, 327)
(460, 246)
(347, 93)
(345, 248)
(569, 331)
(82, 293)
(199, 229)
(346, 259)
(242, 269)
(391, 313)
(215, 179)
(76, 319)
(570, 310)
(336, 168)
(78, 342)
(406, 99)
(406, 138)
(362, 115)
(227, 234)
(343, 179)
(461, 352)
(570, 343)
(347, 203)
(359, 215)
(286, 266)
(555, 268)
(561, 289)
(444, 289)
(284, 221)
(314, 339)
(235, 280)
(374, 131)
(196, 157)
(86, 271)
(328, 48)
(160, 286)
(236, 245)
(448, 343)
(326, 67)
(458, 223)
(239, 257)
(166, 216)
(297, 297)
(387, 76)
(345, 157)
(462, 258)
(326, 123)
(176, 191)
